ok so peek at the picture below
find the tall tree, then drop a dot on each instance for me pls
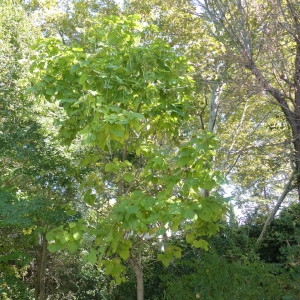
(249, 32)
(264, 72)
(126, 96)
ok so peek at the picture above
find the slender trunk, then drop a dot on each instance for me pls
(214, 106)
(40, 289)
(287, 189)
(139, 273)
(297, 162)
(213, 114)
(296, 124)
(134, 261)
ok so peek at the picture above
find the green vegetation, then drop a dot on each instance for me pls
(122, 131)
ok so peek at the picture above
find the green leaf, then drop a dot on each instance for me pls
(53, 247)
(205, 215)
(83, 78)
(188, 214)
(92, 256)
(177, 253)
(111, 167)
(89, 198)
(124, 253)
(50, 236)
(48, 78)
(77, 49)
(63, 237)
(200, 244)
(73, 224)
(165, 258)
(128, 177)
(132, 209)
(113, 267)
(190, 238)
(77, 235)
(73, 246)
(117, 130)
(50, 91)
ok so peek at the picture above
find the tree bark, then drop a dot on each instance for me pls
(40, 288)
(139, 273)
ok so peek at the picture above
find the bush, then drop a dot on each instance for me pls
(213, 278)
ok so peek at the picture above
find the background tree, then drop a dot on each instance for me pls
(246, 30)
(36, 181)
(68, 18)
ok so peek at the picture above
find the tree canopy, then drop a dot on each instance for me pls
(123, 130)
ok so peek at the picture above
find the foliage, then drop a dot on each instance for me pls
(112, 78)
(214, 278)
(217, 275)
(137, 98)
(69, 278)
(281, 244)
(125, 94)
(67, 18)
(36, 178)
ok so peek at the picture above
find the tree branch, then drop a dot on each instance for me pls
(277, 95)
(288, 187)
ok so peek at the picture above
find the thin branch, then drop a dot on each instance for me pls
(239, 127)
(288, 187)
(245, 145)
(277, 95)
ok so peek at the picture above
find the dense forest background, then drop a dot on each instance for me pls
(149, 149)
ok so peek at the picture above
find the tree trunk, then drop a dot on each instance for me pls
(214, 106)
(139, 273)
(297, 162)
(40, 289)
(213, 113)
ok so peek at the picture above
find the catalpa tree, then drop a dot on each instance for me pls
(127, 96)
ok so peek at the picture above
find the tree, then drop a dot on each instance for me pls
(125, 97)
(249, 36)
(36, 180)
(269, 68)
(68, 17)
